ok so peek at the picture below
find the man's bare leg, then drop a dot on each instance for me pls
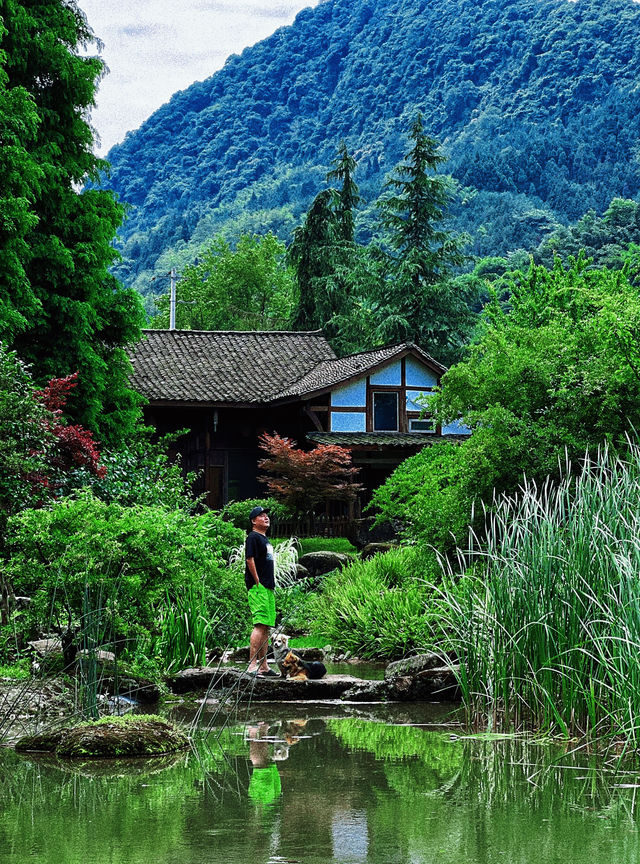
(258, 648)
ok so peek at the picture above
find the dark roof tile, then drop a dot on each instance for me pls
(223, 366)
(330, 373)
(387, 439)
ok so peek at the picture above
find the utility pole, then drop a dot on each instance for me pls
(172, 306)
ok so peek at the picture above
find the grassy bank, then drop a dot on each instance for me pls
(546, 622)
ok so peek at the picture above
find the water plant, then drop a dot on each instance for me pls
(186, 630)
(546, 619)
(378, 607)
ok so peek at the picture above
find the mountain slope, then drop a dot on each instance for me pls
(535, 101)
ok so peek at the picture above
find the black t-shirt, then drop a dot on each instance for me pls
(258, 547)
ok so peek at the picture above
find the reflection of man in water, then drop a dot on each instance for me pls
(264, 786)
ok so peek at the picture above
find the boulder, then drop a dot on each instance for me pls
(426, 676)
(320, 563)
(133, 735)
(372, 549)
(301, 573)
(44, 647)
(244, 687)
(367, 691)
(364, 531)
(413, 665)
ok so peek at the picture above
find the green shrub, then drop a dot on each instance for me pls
(83, 553)
(296, 607)
(326, 544)
(428, 496)
(237, 512)
(378, 608)
(141, 473)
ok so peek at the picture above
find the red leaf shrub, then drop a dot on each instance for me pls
(303, 479)
(72, 446)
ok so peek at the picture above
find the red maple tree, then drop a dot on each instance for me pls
(70, 446)
(304, 479)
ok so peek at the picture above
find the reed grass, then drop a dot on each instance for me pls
(546, 621)
(185, 630)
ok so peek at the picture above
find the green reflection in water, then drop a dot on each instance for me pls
(315, 791)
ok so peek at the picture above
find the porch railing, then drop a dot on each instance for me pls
(315, 526)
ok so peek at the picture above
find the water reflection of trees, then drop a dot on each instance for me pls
(411, 790)
(469, 796)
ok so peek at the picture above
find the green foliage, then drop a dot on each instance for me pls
(428, 495)
(129, 559)
(537, 103)
(418, 302)
(237, 512)
(56, 242)
(326, 544)
(376, 608)
(20, 175)
(549, 637)
(554, 373)
(185, 629)
(323, 251)
(296, 608)
(24, 437)
(18, 671)
(140, 472)
(605, 239)
(246, 288)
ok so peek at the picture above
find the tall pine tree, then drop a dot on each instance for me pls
(418, 301)
(323, 247)
(61, 308)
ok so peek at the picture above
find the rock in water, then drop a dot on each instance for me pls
(114, 736)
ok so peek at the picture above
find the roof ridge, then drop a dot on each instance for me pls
(239, 332)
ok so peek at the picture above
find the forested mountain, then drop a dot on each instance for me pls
(536, 103)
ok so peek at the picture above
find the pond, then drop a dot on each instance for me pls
(323, 783)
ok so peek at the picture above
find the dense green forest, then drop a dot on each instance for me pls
(535, 103)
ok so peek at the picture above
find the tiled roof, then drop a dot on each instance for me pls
(388, 439)
(223, 366)
(329, 373)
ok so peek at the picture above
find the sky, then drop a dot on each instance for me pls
(155, 47)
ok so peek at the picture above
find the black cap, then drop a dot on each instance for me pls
(256, 512)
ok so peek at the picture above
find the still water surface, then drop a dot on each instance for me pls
(318, 784)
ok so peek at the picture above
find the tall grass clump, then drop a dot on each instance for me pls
(378, 608)
(548, 635)
(186, 629)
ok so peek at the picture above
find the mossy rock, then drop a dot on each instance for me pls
(132, 735)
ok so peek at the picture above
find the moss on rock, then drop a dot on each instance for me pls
(132, 735)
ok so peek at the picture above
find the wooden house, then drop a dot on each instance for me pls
(226, 388)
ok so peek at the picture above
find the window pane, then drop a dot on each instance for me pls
(424, 425)
(385, 412)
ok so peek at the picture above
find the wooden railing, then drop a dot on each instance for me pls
(314, 526)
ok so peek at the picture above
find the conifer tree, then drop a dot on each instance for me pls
(418, 301)
(346, 196)
(323, 247)
(62, 310)
(312, 253)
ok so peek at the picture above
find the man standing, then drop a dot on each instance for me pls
(260, 581)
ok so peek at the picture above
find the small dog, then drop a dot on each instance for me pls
(293, 666)
(298, 669)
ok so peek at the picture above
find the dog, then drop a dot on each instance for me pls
(280, 645)
(293, 666)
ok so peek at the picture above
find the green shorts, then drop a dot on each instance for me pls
(262, 603)
(265, 785)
